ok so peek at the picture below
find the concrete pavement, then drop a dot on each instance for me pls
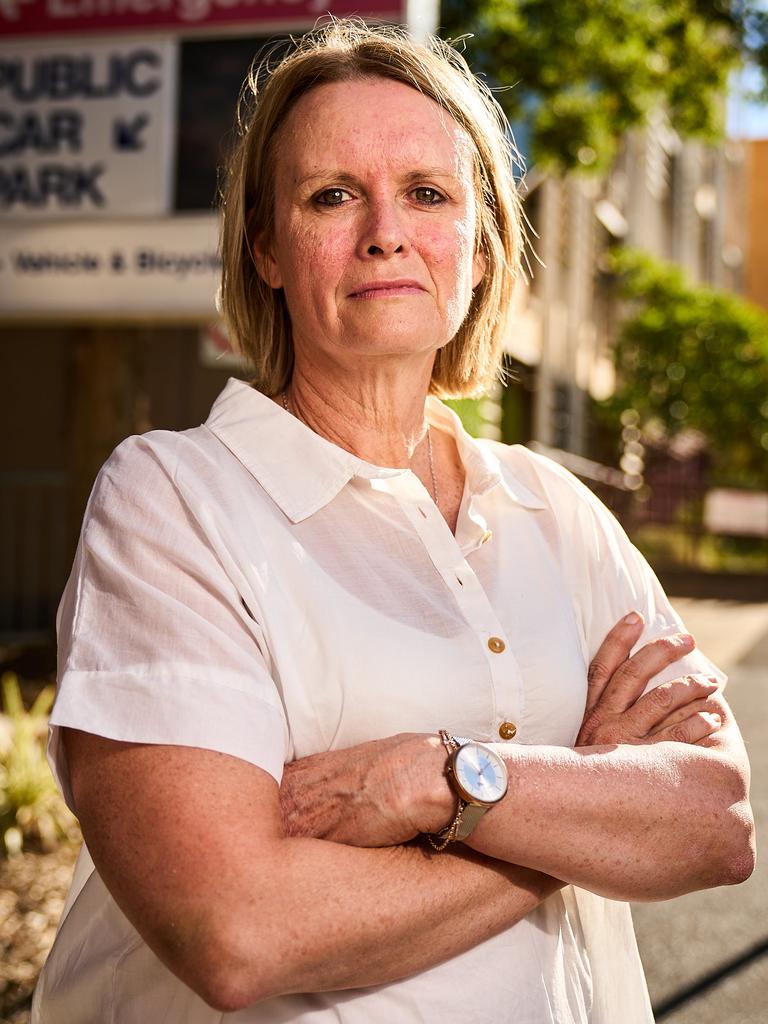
(706, 954)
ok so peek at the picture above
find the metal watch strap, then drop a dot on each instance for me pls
(470, 815)
(467, 815)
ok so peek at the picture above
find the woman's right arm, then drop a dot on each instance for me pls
(191, 845)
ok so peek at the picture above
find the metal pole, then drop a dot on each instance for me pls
(422, 18)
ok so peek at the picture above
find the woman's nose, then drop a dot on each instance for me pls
(385, 232)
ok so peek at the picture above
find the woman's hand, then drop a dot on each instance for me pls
(373, 794)
(618, 711)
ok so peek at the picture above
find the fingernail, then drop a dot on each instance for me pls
(686, 640)
(714, 718)
(632, 619)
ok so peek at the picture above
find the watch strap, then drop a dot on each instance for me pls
(467, 814)
(451, 742)
(470, 816)
(449, 834)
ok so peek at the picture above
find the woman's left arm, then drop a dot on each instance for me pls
(631, 822)
(641, 818)
(644, 820)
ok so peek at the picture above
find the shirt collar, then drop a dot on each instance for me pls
(482, 465)
(302, 471)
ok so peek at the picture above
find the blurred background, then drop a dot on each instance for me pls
(637, 354)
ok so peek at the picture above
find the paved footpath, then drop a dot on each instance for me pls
(706, 954)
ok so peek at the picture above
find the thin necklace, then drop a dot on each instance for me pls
(432, 467)
(429, 454)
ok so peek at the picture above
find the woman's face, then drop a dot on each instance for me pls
(375, 219)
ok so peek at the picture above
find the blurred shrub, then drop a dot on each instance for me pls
(673, 546)
(32, 811)
(469, 412)
(692, 357)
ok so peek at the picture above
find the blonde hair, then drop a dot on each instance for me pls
(343, 50)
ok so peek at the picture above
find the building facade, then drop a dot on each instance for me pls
(755, 202)
(114, 118)
(681, 201)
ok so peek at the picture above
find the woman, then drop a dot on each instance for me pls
(328, 573)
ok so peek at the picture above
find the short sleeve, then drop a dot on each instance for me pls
(155, 644)
(607, 574)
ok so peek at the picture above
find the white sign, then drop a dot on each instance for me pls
(129, 268)
(86, 129)
(736, 513)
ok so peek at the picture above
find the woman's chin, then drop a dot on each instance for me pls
(393, 346)
(387, 336)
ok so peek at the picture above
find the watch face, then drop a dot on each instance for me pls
(481, 773)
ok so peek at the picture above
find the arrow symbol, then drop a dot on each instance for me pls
(126, 134)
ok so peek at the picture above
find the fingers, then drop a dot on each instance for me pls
(631, 678)
(612, 653)
(697, 727)
(712, 703)
(670, 703)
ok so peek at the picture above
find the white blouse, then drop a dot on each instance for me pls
(249, 587)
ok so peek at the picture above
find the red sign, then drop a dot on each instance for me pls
(52, 17)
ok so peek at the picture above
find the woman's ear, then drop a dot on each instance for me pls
(266, 265)
(479, 264)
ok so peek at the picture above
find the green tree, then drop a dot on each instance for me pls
(577, 74)
(692, 356)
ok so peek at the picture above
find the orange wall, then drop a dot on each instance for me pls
(756, 264)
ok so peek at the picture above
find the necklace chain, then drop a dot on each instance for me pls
(432, 467)
(429, 453)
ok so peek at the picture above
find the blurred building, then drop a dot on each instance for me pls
(755, 195)
(679, 200)
(113, 121)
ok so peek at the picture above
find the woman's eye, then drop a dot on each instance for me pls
(428, 196)
(332, 197)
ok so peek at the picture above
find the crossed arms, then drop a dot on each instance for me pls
(246, 891)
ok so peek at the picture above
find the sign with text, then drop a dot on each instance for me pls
(27, 17)
(86, 130)
(166, 267)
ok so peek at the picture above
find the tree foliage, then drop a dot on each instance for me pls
(577, 74)
(692, 356)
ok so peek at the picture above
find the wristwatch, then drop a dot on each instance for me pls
(479, 778)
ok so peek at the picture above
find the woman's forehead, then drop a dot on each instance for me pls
(371, 118)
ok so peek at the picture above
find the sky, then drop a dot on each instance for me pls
(745, 119)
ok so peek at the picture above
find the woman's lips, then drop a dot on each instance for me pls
(386, 289)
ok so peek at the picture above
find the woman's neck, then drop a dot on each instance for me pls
(377, 416)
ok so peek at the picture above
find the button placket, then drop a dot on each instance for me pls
(505, 678)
